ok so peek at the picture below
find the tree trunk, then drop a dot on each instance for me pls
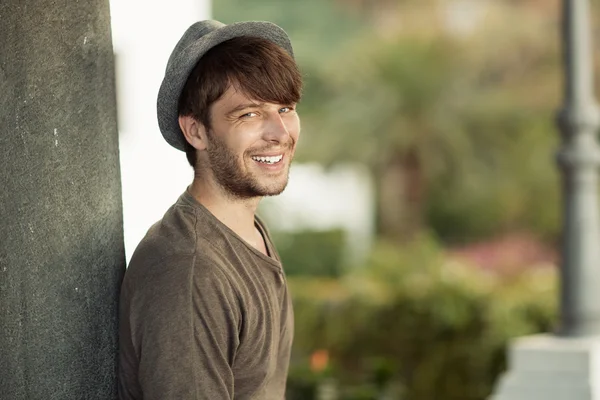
(401, 196)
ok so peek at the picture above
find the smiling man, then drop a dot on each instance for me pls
(205, 309)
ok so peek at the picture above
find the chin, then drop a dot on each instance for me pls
(273, 193)
(273, 189)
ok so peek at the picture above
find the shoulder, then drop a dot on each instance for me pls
(168, 253)
(175, 232)
(171, 261)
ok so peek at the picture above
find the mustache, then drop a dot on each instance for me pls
(283, 148)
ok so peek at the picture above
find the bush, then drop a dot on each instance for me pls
(416, 324)
(311, 252)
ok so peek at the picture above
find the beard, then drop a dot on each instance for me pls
(239, 182)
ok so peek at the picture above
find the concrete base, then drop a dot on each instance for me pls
(551, 368)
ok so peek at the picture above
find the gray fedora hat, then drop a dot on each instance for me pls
(195, 42)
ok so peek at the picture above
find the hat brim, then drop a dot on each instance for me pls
(182, 64)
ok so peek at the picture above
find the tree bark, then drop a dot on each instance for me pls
(401, 196)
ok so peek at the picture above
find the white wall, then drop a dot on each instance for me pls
(153, 173)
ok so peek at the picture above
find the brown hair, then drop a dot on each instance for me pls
(258, 67)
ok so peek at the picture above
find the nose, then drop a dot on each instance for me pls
(276, 130)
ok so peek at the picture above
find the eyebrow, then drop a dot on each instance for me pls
(244, 106)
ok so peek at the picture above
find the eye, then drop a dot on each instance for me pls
(249, 115)
(284, 110)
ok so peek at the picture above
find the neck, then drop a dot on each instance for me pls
(237, 214)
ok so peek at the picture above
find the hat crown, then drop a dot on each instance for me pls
(195, 32)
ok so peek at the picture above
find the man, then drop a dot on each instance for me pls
(205, 310)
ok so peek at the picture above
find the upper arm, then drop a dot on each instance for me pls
(188, 334)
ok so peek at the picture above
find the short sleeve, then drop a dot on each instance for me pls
(188, 331)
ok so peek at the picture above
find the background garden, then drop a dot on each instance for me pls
(451, 107)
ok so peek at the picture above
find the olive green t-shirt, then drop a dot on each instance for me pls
(203, 315)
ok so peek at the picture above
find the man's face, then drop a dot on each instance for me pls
(251, 144)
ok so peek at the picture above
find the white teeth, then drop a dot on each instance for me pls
(268, 160)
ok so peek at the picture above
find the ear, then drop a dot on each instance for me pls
(194, 132)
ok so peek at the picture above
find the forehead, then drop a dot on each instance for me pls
(233, 97)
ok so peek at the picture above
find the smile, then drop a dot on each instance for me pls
(268, 160)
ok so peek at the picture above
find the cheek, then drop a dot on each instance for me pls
(240, 141)
(229, 150)
(293, 127)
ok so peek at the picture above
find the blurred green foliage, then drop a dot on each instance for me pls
(309, 252)
(416, 324)
(458, 132)
(456, 128)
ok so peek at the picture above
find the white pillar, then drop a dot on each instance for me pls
(567, 366)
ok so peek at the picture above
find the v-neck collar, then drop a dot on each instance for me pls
(188, 198)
